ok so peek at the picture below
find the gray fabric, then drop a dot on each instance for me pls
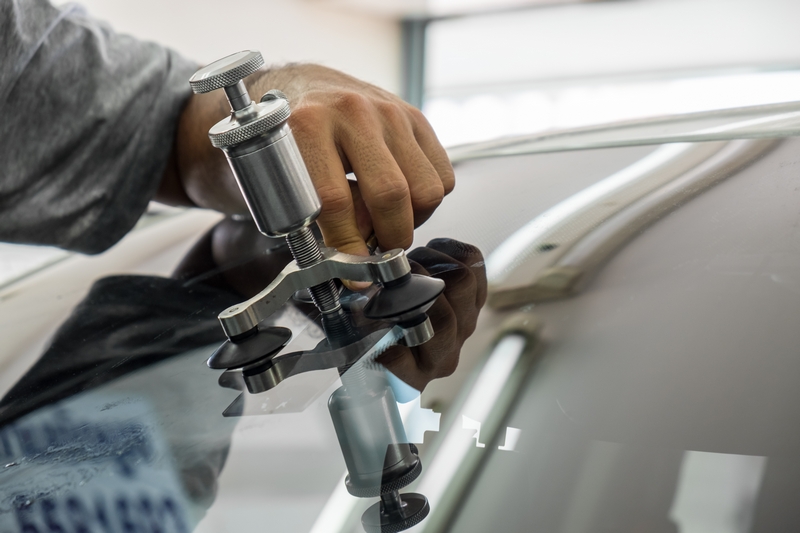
(87, 121)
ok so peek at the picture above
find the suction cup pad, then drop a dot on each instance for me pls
(411, 294)
(415, 509)
(266, 342)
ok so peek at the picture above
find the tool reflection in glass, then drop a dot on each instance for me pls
(379, 457)
(274, 181)
(380, 460)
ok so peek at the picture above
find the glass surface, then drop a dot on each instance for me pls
(119, 425)
(655, 393)
(665, 396)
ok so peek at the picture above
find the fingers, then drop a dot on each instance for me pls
(381, 182)
(454, 315)
(402, 171)
(433, 150)
(401, 180)
(437, 358)
(461, 284)
(337, 221)
(425, 185)
(363, 220)
(402, 361)
(343, 124)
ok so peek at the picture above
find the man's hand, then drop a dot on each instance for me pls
(341, 125)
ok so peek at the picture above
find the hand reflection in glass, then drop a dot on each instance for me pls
(453, 315)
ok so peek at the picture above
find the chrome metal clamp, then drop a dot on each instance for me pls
(283, 202)
(237, 320)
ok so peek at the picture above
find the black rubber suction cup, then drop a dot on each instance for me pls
(408, 296)
(393, 478)
(231, 380)
(395, 513)
(266, 342)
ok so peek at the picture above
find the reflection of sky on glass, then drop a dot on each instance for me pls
(717, 492)
(478, 117)
(18, 260)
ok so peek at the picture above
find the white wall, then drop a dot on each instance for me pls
(366, 46)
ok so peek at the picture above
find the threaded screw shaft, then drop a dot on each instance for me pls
(306, 252)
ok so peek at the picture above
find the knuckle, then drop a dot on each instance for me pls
(448, 177)
(417, 116)
(430, 197)
(352, 102)
(392, 113)
(335, 200)
(391, 194)
(307, 118)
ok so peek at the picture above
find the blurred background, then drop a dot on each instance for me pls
(484, 69)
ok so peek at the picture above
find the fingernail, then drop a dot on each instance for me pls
(357, 285)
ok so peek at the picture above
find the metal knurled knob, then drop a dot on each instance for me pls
(250, 119)
(226, 71)
(263, 123)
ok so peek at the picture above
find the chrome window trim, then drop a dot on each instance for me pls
(753, 122)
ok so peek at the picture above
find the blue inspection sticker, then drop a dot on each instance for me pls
(88, 466)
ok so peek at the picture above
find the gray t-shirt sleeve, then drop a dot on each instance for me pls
(87, 122)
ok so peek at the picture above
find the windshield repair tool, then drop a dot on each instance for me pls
(380, 460)
(379, 457)
(275, 183)
(280, 195)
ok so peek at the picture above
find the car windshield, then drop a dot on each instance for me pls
(614, 350)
